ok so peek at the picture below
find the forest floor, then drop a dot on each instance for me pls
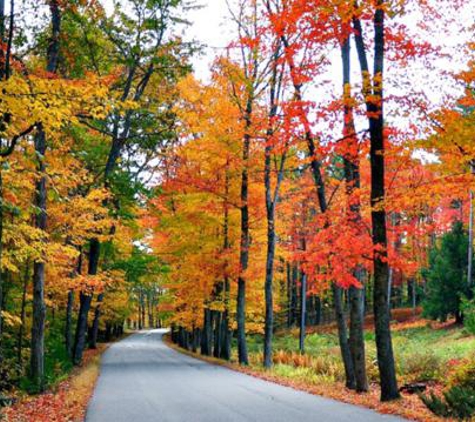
(426, 352)
(66, 401)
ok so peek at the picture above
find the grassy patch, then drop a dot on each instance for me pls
(423, 352)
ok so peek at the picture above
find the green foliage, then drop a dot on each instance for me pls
(457, 402)
(141, 265)
(446, 275)
(57, 361)
(464, 375)
(422, 365)
(468, 309)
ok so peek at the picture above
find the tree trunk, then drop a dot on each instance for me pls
(108, 333)
(303, 313)
(150, 309)
(95, 322)
(142, 308)
(389, 389)
(272, 198)
(39, 307)
(353, 182)
(225, 337)
(343, 337)
(69, 323)
(194, 344)
(85, 299)
(217, 326)
(206, 334)
(244, 247)
(373, 92)
(22, 318)
(139, 310)
(269, 305)
(294, 296)
(289, 294)
(318, 310)
(357, 344)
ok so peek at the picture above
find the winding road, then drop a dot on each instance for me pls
(143, 380)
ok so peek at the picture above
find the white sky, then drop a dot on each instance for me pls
(210, 28)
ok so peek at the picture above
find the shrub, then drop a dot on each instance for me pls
(326, 367)
(457, 402)
(468, 309)
(464, 375)
(421, 366)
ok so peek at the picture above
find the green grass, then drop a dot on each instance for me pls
(422, 354)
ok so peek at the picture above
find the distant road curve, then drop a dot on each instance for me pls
(143, 380)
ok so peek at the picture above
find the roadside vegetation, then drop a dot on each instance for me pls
(66, 399)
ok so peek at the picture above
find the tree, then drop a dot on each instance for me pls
(373, 83)
(272, 192)
(447, 276)
(39, 308)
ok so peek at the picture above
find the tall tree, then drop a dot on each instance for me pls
(373, 92)
(272, 192)
(39, 308)
(247, 85)
(351, 161)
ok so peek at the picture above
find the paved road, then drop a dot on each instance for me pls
(143, 380)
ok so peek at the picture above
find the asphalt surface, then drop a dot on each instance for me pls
(143, 380)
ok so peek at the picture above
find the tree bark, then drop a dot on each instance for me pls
(206, 333)
(269, 305)
(94, 255)
(81, 326)
(21, 331)
(389, 389)
(343, 337)
(271, 199)
(95, 322)
(217, 327)
(303, 313)
(318, 310)
(289, 294)
(353, 182)
(245, 242)
(142, 307)
(39, 307)
(225, 349)
(294, 295)
(85, 299)
(225, 336)
(356, 340)
(374, 105)
(69, 324)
